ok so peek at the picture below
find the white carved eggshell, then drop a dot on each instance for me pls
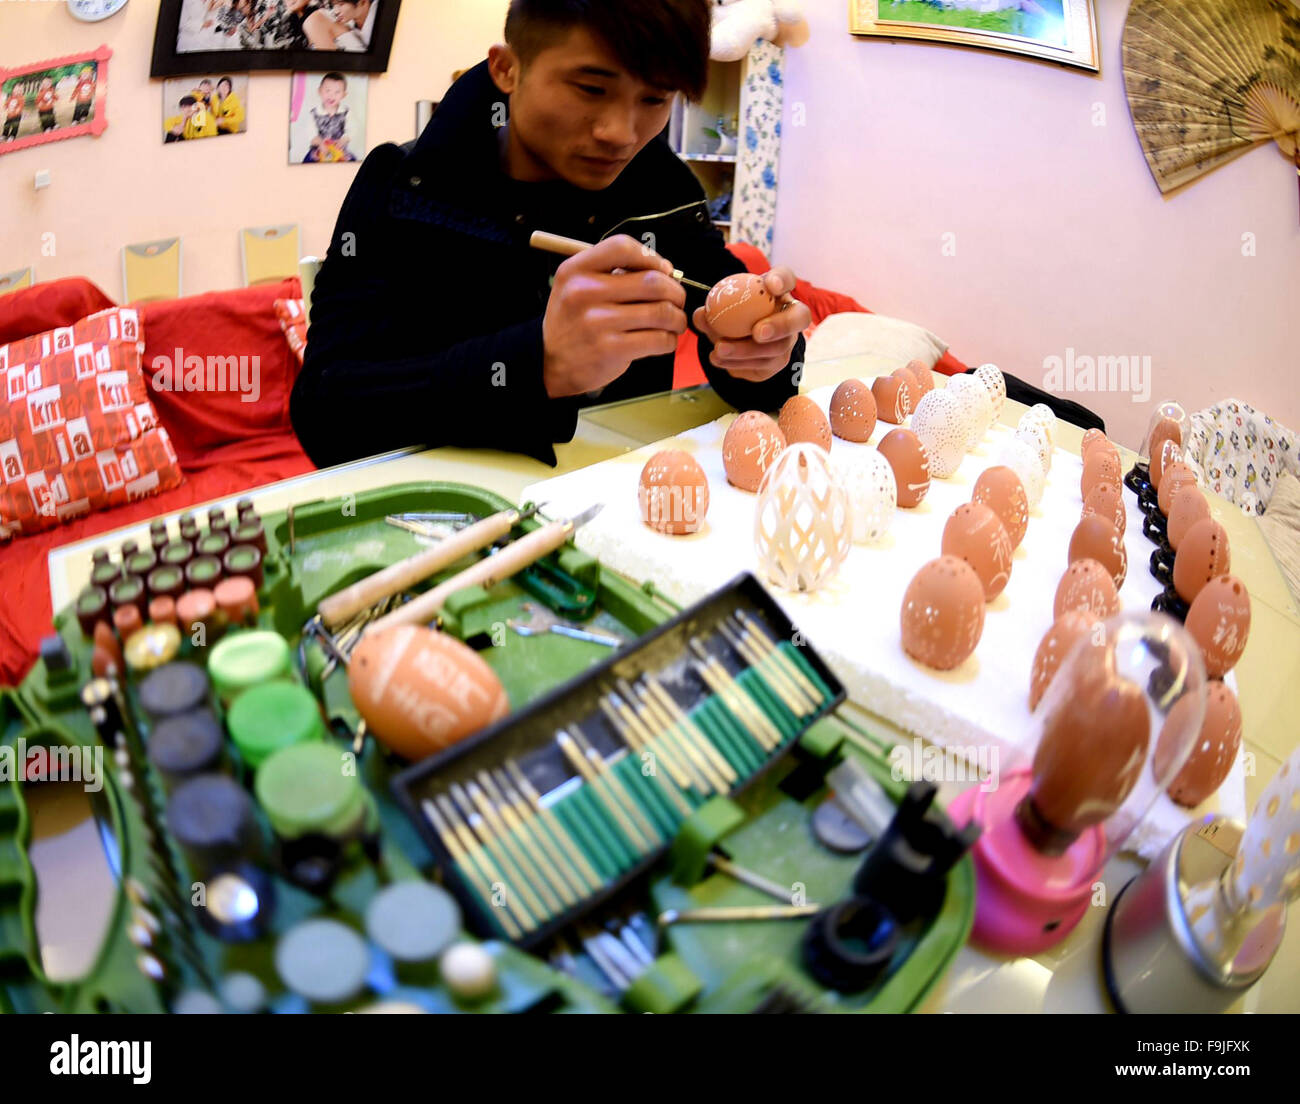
(1035, 436)
(1023, 460)
(995, 384)
(977, 402)
(869, 482)
(1043, 415)
(943, 425)
(803, 523)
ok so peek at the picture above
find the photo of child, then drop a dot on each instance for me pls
(327, 118)
(203, 107)
(46, 100)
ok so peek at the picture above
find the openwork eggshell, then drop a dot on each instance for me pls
(977, 405)
(421, 691)
(1100, 466)
(1091, 439)
(943, 613)
(673, 493)
(1215, 750)
(893, 398)
(973, 533)
(737, 303)
(911, 463)
(751, 445)
(1000, 489)
(941, 425)
(1219, 621)
(1023, 460)
(1088, 586)
(1107, 499)
(869, 482)
(1203, 555)
(1186, 508)
(802, 421)
(924, 378)
(1066, 631)
(1096, 538)
(1167, 453)
(995, 384)
(1042, 415)
(1175, 476)
(853, 411)
(1033, 435)
(803, 524)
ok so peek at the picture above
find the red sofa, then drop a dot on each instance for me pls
(224, 445)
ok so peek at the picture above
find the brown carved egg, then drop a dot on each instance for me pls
(973, 533)
(1175, 476)
(1202, 556)
(1000, 489)
(673, 493)
(853, 411)
(737, 303)
(802, 421)
(1186, 508)
(911, 464)
(1095, 538)
(1100, 467)
(943, 613)
(920, 371)
(1088, 586)
(1066, 631)
(1168, 453)
(1215, 750)
(1219, 621)
(751, 445)
(893, 396)
(1166, 430)
(1107, 499)
(1091, 439)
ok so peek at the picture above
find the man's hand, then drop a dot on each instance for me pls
(767, 349)
(610, 305)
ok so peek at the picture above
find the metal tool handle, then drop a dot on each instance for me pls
(487, 572)
(338, 608)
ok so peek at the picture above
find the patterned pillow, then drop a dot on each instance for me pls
(293, 321)
(77, 430)
(1241, 452)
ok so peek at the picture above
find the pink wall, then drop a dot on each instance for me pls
(126, 186)
(1062, 238)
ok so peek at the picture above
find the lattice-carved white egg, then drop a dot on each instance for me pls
(995, 384)
(978, 404)
(1035, 436)
(803, 523)
(873, 492)
(1023, 460)
(1045, 416)
(943, 424)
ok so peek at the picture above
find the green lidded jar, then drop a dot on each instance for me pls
(246, 658)
(306, 790)
(272, 716)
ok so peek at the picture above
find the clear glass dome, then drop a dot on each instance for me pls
(1169, 421)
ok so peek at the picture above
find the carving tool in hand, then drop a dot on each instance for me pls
(488, 571)
(570, 247)
(338, 608)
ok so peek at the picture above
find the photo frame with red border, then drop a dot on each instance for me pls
(99, 119)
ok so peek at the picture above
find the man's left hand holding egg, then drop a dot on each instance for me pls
(771, 339)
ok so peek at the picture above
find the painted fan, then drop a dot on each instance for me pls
(1209, 80)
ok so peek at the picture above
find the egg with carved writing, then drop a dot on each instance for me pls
(1066, 631)
(893, 397)
(1000, 489)
(752, 444)
(1219, 621)
(942, 617)
(736, 304)
(1086, 585)
(1096, 538)
(911, 463)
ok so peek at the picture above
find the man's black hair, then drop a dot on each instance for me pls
(664, 43)
(186, 100)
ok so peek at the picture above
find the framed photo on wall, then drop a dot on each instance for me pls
(1055, 30)
(206, 106)
(327, 118)
(204, 36)
(51, 100)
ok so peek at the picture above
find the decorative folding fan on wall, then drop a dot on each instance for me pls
(1209, 80)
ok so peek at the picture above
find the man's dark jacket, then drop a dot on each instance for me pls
(426, 320)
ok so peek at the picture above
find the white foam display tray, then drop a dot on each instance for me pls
(853, 621)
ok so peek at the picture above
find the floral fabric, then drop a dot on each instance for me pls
(1241, 453)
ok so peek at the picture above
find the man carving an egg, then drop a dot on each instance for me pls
(435, 323)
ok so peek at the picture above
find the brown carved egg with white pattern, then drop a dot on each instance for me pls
(1219, 621)
(942, 617)
(1088, 586)
(1203, 555)
(751, 445)
(893, 395)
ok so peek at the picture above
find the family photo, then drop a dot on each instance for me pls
(206, 107)
(327, 118)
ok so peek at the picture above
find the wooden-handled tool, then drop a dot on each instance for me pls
(487, 572)
(569, 247)
(339, 608)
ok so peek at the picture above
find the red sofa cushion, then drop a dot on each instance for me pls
(200, 335)
(46, 305)
(821, 303)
